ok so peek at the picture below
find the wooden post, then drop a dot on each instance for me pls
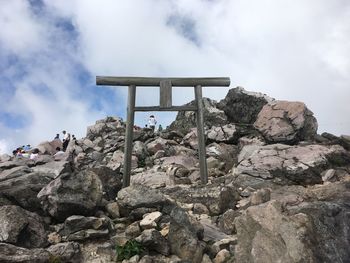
(200, 134)
(129, 135)
(165, 97)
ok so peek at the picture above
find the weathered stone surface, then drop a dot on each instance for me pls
(66, 252)
(24, 187)
(140, 196)
(53, 169)
(150, 220)
(153, 240)
(151, 178)
(284, 121)
(12, 254)
(160, 144)
(183, 237)
(224, 153)
(113, 210)
(241, 106)
(185, 161)
(5, 157)
(12, 223)
(227, 133)
(222, 256)
(104, 127)
(49, 147)
(290, 164)
(185, 120)
(111, 181)
(21, 227)
(226, 221)
(72, 194)
(266, 235)
(216, 199)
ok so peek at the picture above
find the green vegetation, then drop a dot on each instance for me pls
(130, 249)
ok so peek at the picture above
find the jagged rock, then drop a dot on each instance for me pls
(227, 133)
(266, 235)
(222, 256)
(185, 161)
(66, 252)
(139, 150)
(328, 175)
(133, 230)
(159, 144)
(137, 196)
(53, 169)
(16, 162)
(23, 188)
(5, 157)
(12, 223)
(224, 153)
(241, 106)
(345, 141)
(105, 127)
(153, 240)
(72, 194)
(111, 181)
(12, 254)
(150, 220)
(185, 120)
(290, 164)
(151, 178)
(191, 139)
(76, 223)
(183, 237)
(49, 147)
(260, 196)
(22, 228)
(226, 221)
(284, 121)
(199, 208)
(113, 210)
(216, 199)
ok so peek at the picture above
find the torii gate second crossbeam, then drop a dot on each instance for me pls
(165, 104)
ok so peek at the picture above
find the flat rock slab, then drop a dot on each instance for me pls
(293, 164)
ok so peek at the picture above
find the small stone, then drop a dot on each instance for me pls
(199, 208)
(328, 175)
(222, 256)
(54, 238)
(260, 196)
(150, 220)
(133, 230)
(113, 210)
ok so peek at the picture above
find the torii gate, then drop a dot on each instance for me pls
(165, 104)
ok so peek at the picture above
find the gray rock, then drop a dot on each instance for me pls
(241, 106)
(140, 196)
(104, 127)
(183, 237)
(75, 224)
(288, 122)
(66, 252)
(290, 164)
(153, 240)
(113, 210)
(23, 188)
(5, 157)
(72, 194)
(187, 119)
(12, 223)
(53, 169)
(226, 221)
(216, 199)
(13, 254)
(227, 133)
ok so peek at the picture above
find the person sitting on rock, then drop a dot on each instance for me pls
(59, 154)
(57, 137)
(35, 154)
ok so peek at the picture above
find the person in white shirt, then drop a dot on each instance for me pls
(152, 122)
(66, 139)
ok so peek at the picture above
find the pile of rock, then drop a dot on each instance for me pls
(277, 192)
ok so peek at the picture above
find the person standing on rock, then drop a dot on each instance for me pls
(66, 139)
(152, 122)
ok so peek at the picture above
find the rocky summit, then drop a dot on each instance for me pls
(277, 191)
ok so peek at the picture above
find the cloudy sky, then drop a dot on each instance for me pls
(51, 51)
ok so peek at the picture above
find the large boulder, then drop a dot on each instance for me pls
(184, 237)
(108, 126)
(72, 194)
(241, 106)
(13, 254)
(290, 164)
(22, 228)
(21, 185)
(185, 120)
(285, 121)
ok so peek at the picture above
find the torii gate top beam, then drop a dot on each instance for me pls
(151, 82)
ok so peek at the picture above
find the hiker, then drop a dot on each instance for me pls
(57, 137)
(26, 147)
(152, 122)
(160, 128)
(66, 139)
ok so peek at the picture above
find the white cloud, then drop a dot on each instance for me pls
(292, 50)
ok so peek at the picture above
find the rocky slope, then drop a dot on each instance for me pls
(277, 192)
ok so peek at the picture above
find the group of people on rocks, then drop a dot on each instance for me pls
(152, 124)
(27, 151)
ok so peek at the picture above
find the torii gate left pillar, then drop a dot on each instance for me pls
(165, 104)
